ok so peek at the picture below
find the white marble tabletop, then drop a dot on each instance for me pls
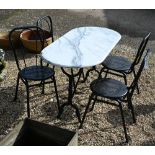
(81, 47)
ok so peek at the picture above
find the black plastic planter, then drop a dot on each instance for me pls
(34, 133)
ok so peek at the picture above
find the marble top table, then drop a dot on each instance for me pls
(79, 48)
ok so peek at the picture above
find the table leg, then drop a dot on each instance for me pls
(71, 92)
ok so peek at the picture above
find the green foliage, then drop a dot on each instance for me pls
(2, 65)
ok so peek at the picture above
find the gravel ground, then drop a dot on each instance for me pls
(103, 125)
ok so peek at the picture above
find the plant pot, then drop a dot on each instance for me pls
(4, 40)
(29, 41)
(34, 133)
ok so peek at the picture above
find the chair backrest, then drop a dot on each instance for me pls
(46, 24)
(30, 41)
(138, 74)
(141, 50)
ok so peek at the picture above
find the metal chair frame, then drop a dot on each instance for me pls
(124, 73)
(46, 23)
(50, 74)
(127, 98)
(46, 20)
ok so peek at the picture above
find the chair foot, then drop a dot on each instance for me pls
(126, 142)
(81, 125)
(14, 99)
(138, 92)
(59, 114)
(43, 92)
(123, 122)
(134, 119)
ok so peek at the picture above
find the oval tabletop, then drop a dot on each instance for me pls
(81, 47)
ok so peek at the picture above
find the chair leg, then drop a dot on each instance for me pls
(92, 108)
(83, 75)
(106, 73)
(100, 73)
(86, 110)
(17, 85)
(28, 104)
(138, 92)
(56, 92)
(77, 112)
(125, 80)
(123, 121)
(130, 105)
(43, 87)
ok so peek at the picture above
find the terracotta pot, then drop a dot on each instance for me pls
(29, 40)
(4, 40)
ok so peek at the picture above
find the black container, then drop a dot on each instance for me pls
(34, 133)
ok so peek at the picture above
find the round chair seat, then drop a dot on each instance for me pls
(117, 63)
(110, 88)
(37, 73)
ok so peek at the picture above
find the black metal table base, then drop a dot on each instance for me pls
(71, 91)
(87, 73)
(73, 106)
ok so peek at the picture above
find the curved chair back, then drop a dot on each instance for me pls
(46, 24)
(141, 50)
(136, 79)
(30, 41)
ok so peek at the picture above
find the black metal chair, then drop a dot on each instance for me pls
(46, 24)
(121, 66)
(32, 73)
(115, 91)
